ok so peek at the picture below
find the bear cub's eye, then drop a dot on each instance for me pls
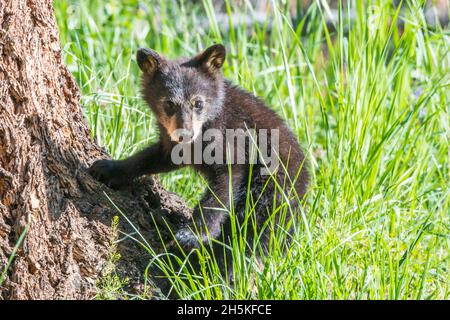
(169, 107)
(198, 105)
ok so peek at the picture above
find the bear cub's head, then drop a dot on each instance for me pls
(184, 93)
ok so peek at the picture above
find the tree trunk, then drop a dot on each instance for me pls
(45, 192)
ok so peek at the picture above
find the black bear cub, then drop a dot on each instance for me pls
(189, 96)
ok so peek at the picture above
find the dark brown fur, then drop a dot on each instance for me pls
(171, 89)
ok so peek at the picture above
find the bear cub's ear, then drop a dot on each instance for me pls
(149, 61)
(211, 59)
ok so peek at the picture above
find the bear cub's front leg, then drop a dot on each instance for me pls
(118, 173)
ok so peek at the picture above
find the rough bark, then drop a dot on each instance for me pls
(45, 147)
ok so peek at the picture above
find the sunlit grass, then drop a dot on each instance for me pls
(369, 103)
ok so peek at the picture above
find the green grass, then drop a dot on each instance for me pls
(369, 103)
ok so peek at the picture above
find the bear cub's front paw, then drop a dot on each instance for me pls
(110, 172)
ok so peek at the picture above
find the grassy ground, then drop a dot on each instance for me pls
(369, 103)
